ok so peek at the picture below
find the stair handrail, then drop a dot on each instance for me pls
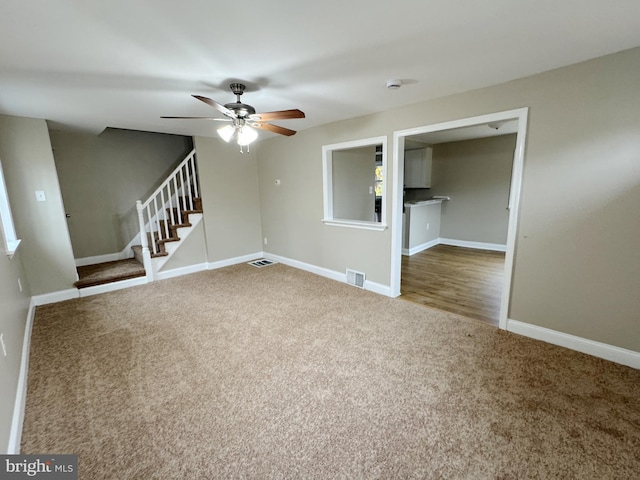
(177, 180)
(189, 157)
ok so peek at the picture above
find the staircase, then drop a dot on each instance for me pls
(168, 216)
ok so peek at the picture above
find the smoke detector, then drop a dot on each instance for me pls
(394, 84)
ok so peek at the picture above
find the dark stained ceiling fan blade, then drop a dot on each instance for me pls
(274, 129)
(202, 118)
(279, 115)
(216, 105)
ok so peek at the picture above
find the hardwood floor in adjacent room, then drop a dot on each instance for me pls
(460, 280)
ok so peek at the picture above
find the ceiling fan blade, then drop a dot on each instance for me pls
(202, 118)
(274, 129)
(279, 115)
(216, 105)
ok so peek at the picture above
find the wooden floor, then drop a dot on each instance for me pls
(460, 280)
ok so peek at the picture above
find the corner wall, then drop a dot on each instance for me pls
(230, 199)
(28, 164)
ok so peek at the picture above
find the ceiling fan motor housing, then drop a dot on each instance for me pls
(241, 109)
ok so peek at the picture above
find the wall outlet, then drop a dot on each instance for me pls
(266, 241)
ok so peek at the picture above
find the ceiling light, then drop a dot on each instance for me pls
(246, 135)
(226, 132)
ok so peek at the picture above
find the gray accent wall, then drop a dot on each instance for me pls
(476, 175)
(102, 176)
(576, 257)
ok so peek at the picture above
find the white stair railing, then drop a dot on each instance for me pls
(164, 207)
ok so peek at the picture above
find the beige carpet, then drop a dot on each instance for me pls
(277, 373)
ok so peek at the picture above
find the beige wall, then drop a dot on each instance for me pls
(192, 251)
(230, 201)
(576, 262)
(15, 307)
(102, 176)
(28, 165)
(292, 212)
(476, 174)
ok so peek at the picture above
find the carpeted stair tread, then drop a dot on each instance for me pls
(109, 272)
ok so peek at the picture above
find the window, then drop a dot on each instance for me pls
(10, 239)
(354, 181)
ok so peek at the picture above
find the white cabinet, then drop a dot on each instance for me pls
(417, 168)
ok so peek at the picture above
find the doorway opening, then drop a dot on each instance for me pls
(462, 129)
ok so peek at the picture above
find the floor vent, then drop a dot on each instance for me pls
(263, 262)
(355, 278)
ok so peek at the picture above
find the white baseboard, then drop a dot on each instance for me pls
(420, 248)
(177, 272)
(17, 422)
(584, 345)
(55, 297)
(327, 273)
(234, 261)
(111, 287)
(110, 257)
(498, 247)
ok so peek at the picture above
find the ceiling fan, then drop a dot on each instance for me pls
(244, 118)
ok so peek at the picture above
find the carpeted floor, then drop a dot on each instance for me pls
(277, 373)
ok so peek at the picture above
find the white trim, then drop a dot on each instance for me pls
(327, 183)
(377, 288)
(497, 247)
(520, 114)
(327, 273)
(110, 257)
(379, 227)
(308, 267)
(17, 422)
(584, 345)
(111, 287)
(55, 297)
(10, 238)
(233, 261)
(178, 272)
(107, 257)
(419, 248)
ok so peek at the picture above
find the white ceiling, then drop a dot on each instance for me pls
(91, 64)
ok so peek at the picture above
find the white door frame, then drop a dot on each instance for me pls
(520, 114)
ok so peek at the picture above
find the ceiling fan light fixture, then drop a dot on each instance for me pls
(226, 132)
(246, 135)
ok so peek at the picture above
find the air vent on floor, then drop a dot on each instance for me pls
(355, 278)
(263, 262)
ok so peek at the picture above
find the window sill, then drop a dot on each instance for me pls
(378, 227)
(12, 247)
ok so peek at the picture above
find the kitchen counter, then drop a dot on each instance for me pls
(430, 201)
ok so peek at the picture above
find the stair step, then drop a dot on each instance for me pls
(109, 272)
